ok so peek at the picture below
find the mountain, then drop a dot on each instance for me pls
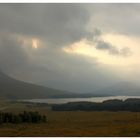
(120, 89)
(11, 88)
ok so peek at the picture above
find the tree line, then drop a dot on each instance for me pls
(24, 117)
(109, 105)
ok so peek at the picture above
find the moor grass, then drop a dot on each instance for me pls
(75, 123)
(79, 124)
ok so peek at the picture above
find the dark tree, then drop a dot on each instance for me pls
(25, 117)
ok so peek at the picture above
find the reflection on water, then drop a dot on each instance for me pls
(66, 100)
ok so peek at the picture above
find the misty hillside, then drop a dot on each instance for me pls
(120, 89)
(11, 88)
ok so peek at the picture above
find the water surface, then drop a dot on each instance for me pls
(92, 99)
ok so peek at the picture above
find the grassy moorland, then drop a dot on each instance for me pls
(72, 123)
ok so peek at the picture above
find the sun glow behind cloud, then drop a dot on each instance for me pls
(35, 43)
(29, 42)
(88, 49)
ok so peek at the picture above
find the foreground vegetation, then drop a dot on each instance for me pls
(72, 123)
(77, 123)
(29, 117)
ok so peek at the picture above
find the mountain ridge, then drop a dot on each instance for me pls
(11, 88)
(15, 89)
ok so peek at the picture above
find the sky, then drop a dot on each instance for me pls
(73, 47)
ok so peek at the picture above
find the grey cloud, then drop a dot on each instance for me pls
(126, 51)
(59, 24)
(94, 35)
(56, 69)
(102, 45)
(71, 72)
(12, 55)
(116, 18)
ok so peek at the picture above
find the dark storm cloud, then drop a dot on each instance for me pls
(59, 24)
(120, 18)
(105, 46)
(100, 44)
(12, 55)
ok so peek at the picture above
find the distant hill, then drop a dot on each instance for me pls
(11, 88)
(120, 89)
